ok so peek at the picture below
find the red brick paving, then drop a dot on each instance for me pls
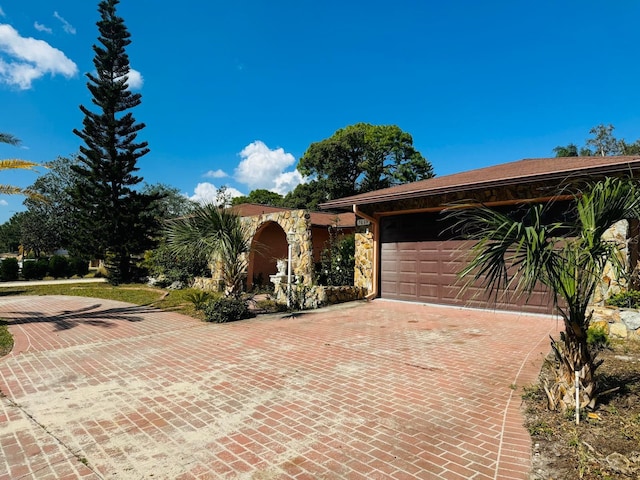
(381, 390)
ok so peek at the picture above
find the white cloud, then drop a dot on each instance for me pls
(215, 174)
(287, 181)
(66, 26)
(262, 167)
(3, 203)
(2, 12)
(28, 59)
(208, 193)
(42, 28)
(136, 80)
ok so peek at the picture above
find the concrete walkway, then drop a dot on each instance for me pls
(98, 389)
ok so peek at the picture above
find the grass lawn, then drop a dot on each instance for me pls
(138, 294)
(6, 340)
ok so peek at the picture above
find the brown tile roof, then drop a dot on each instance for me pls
(319, 219)
(522, 171)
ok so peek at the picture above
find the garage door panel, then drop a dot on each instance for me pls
(428, 272)
(408, 267)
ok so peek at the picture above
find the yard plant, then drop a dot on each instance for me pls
(219, 236)
(568, 257)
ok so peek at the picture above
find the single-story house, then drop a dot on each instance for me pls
(406, 251)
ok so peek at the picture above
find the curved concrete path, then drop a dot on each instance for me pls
(98, 389)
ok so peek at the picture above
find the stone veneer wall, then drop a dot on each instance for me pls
(297, 221)
(315, 296)
(363, 275)
(617, 322)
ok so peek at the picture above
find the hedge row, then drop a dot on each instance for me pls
(57, 266)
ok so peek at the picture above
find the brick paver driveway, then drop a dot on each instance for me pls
(99, 389)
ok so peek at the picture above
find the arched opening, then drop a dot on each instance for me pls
(268, 245)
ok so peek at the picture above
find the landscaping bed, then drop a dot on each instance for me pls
(606, 443)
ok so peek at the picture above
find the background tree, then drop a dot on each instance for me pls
(50, 224)
(111, 213)
(169, 203)
(260, 196)
(630, 148)
(570, 150)
(361, 158)
(568, 257)
(10, 233)
(306, 196)
(602, 143)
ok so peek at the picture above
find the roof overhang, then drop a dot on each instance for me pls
(555, 171)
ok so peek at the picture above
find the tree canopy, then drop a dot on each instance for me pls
(358, 159)
(260, 196)
(601, 143)
(51, 224)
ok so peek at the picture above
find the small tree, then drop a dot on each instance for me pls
(568, 257)
(220, 236)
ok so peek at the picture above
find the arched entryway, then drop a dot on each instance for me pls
(268, 245)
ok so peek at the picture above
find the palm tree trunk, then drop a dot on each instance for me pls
(572, 354)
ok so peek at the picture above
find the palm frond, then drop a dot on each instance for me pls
(9, 139)
(14, 163)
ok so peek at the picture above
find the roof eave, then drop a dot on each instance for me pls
(348, 202)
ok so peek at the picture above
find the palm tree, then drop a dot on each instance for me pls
(567, 257)
(220, 236)
(13, 163)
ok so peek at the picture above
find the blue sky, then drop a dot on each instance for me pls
(234, 92)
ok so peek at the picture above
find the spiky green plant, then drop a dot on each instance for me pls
(219, 235)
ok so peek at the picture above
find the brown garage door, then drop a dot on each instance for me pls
(425, 270)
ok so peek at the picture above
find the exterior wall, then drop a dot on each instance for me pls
(298, 222)
(306, 297)
(610, 284)
(320, 241)
(363, 277)
(269, 244)
(622, 233)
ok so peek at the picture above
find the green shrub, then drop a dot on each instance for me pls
(78, 266)
(162, 263)
(199, 298)
(628, 299)
(337, 264)
(59, 267)
(226, 309)
(597, 337)
(30, 270)
(10, 269)
(42, 268)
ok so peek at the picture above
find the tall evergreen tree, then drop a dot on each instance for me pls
(111, 212)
